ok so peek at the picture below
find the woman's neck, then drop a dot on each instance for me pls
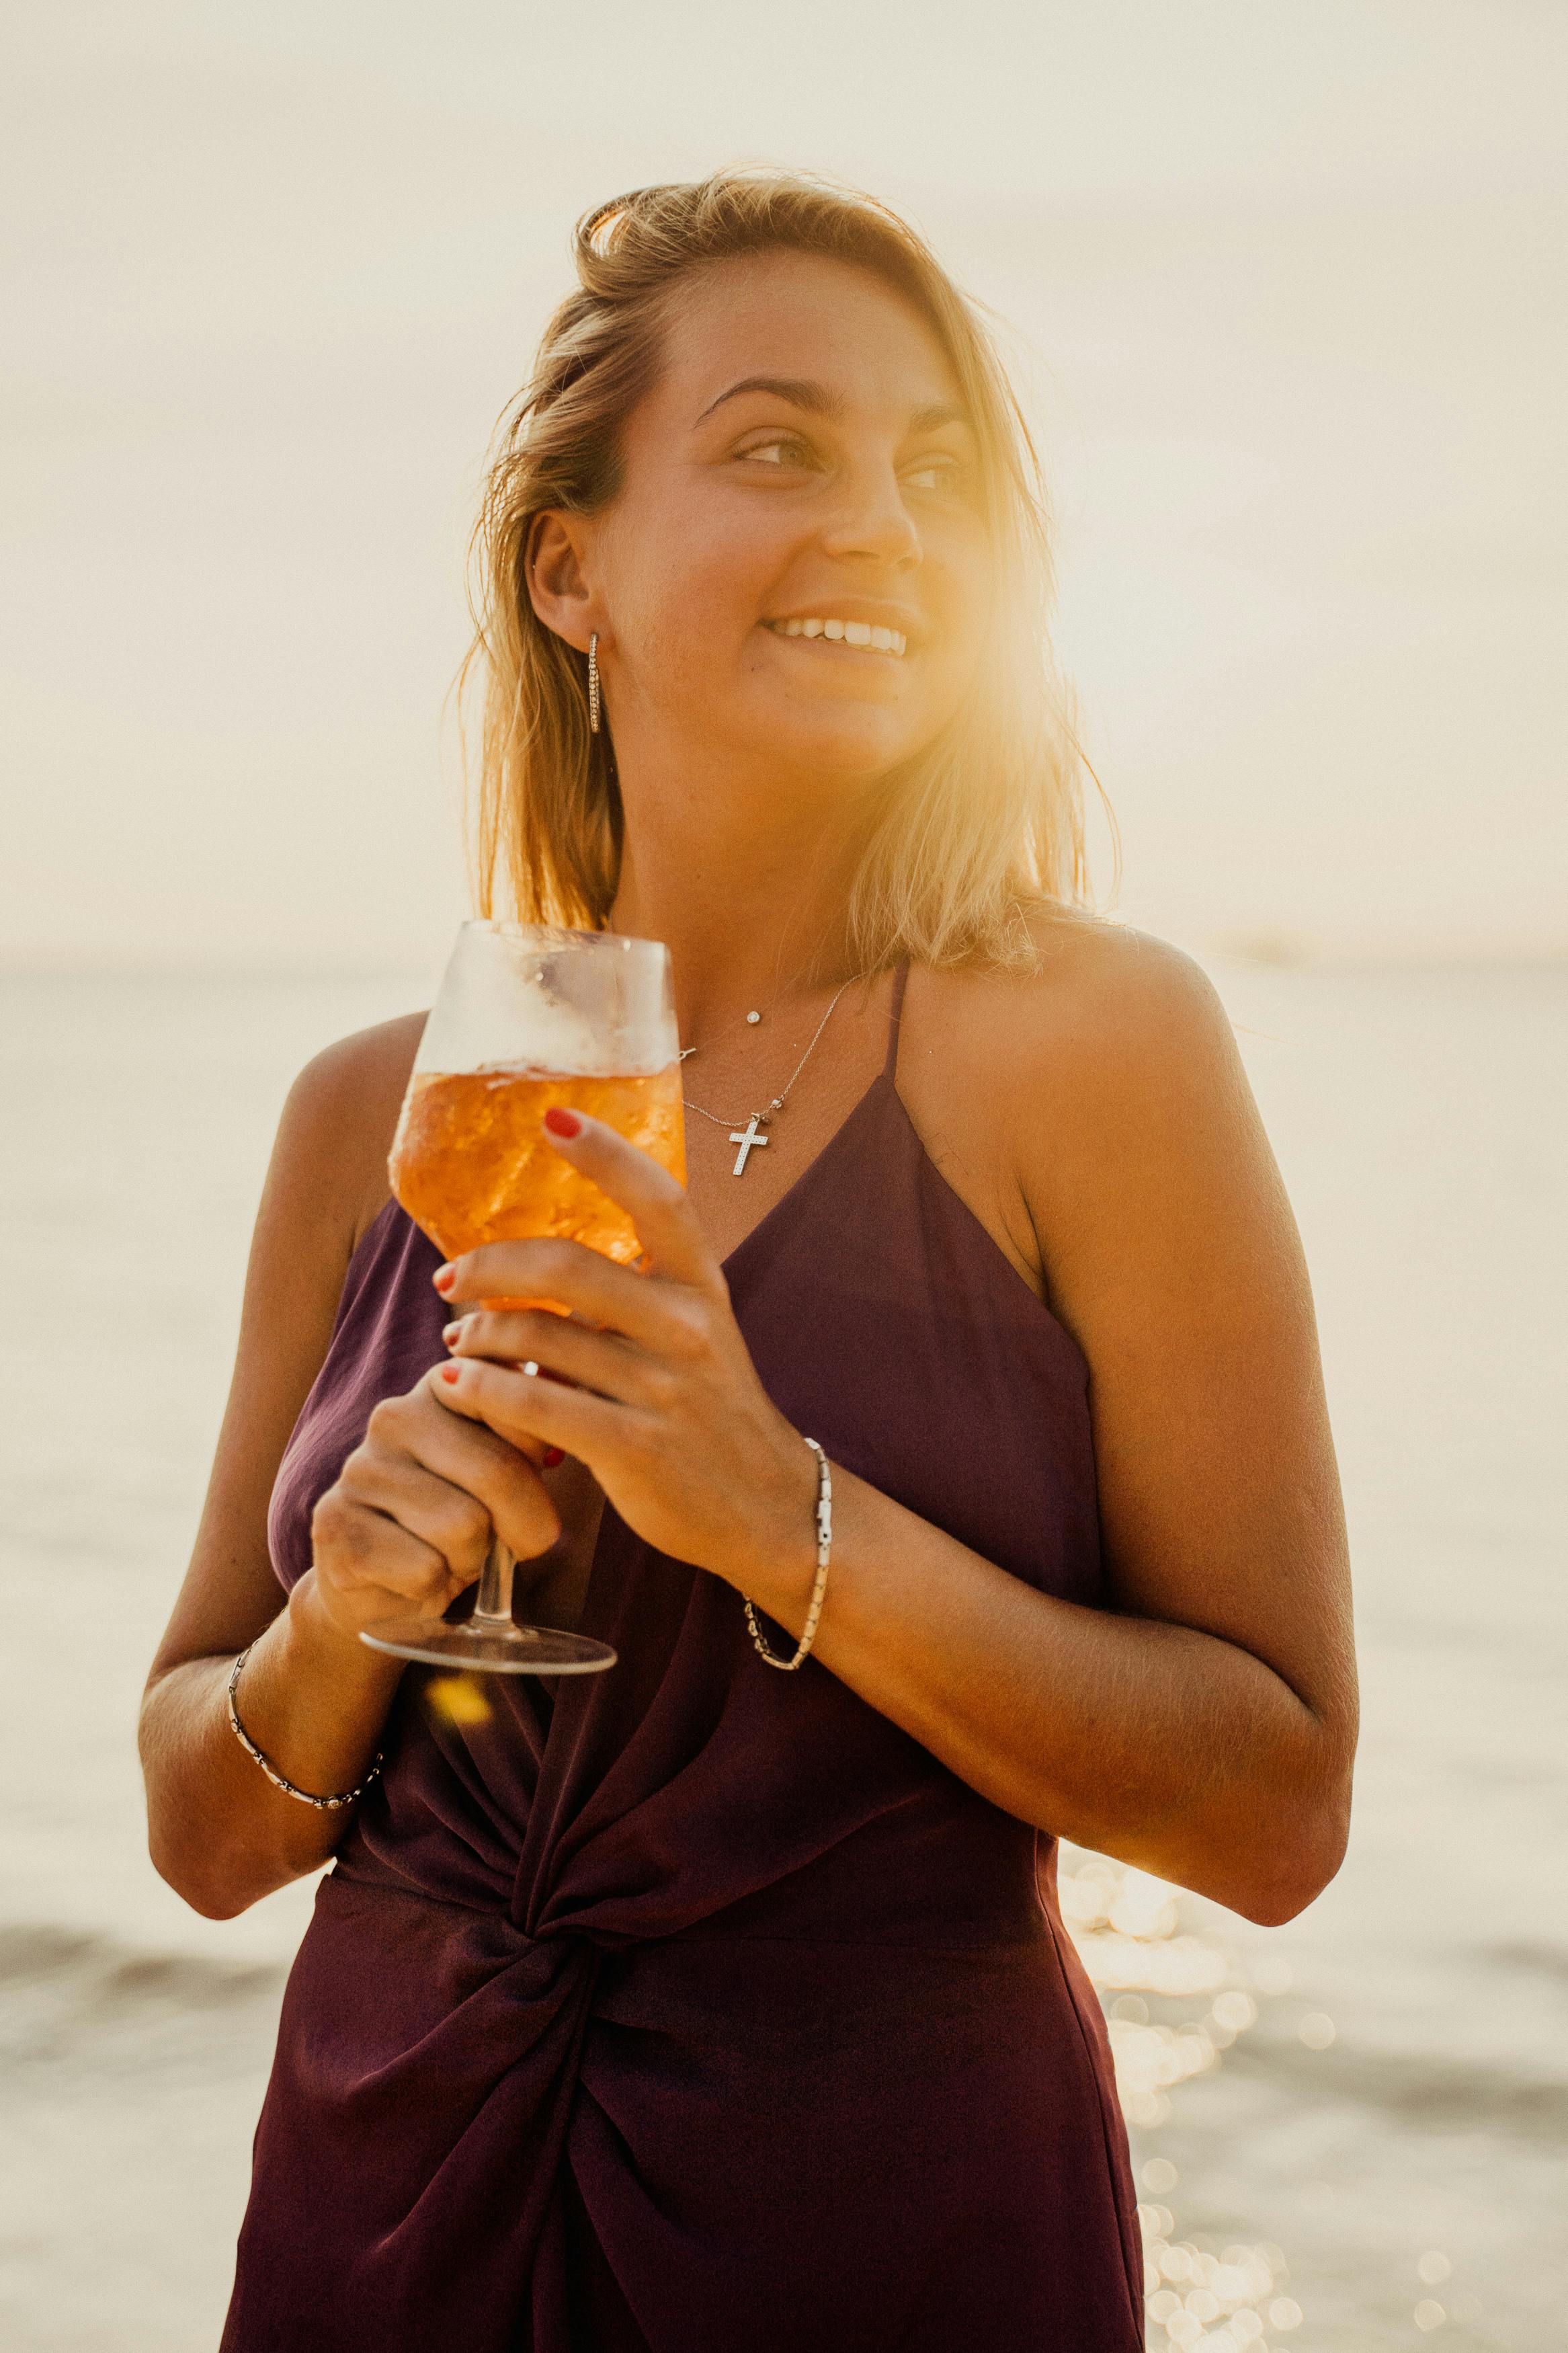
(750, 900)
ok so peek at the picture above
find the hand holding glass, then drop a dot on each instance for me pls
(528, 1017)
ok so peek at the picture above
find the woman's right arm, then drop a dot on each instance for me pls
(404, 1529)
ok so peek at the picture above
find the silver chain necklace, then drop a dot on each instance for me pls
(749, 1137)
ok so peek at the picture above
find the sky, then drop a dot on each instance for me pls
(1285, 288)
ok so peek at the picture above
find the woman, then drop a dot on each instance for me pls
(710, 2005)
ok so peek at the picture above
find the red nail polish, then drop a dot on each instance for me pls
(444, 1278)
(553, 1455)
(453, 1334)
(562, 1122)
(451, 1372)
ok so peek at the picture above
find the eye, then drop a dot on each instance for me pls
(933, 474)
(779, 449)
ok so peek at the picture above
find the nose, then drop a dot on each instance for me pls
(872, 519)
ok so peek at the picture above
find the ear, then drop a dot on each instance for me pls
(558, 576)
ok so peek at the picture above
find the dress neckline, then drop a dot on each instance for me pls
(392, 1206)
(736, 1260)
(819, 1159)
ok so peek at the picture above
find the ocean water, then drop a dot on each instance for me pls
(1351, 2132)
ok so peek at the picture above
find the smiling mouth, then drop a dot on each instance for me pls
(859, 633)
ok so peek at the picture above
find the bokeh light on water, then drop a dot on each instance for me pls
(1174, 2003)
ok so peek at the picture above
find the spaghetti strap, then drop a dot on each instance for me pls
(895, 1014)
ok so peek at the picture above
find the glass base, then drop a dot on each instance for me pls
(488, 1649)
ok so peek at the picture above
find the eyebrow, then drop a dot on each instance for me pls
(799, 391)
(820, 400)
(945, 412)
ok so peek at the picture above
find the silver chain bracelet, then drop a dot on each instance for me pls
(324, 1805)
(823, 1548)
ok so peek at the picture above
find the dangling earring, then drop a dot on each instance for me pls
(594, 684)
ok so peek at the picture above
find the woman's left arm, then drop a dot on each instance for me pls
(1202, 1729)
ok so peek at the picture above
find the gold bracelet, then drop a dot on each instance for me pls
(823, 1548)
(326, 1805)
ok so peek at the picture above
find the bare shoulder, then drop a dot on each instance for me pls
(1101, 998)
(1060, 1100)
(337, 1126)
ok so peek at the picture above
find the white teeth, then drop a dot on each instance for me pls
(849, 633)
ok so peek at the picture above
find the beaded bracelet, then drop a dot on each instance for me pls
(325, 1805)
(823, 1548)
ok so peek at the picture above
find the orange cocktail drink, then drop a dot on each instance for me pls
(528, 1018)
(472, 1163)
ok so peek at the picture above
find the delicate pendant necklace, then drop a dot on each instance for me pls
(749, 1136)
(687, 1051)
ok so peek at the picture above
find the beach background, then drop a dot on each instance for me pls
(1287, 294)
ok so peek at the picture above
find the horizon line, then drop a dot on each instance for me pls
(1264, 949)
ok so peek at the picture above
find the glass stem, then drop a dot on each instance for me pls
(493, 1607)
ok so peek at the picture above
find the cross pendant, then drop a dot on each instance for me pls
(748, 1139)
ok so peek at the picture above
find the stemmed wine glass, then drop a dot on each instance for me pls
(528, 1017)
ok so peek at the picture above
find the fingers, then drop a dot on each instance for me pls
(451, 1482)
(517, 1404)
(577, 1278)
(358, 1551)
(590, 1286)
(656, 1204)
(410, 1518)
(440, 1518)
(602, 1361)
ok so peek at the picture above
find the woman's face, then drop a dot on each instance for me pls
(794, 575)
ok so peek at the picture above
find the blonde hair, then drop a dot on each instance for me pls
(986, 822)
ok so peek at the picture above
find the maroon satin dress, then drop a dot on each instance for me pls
(708, 2012)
